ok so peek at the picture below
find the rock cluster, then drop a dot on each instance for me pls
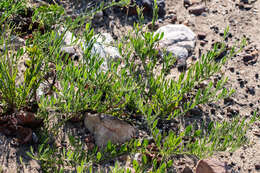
(178, 39)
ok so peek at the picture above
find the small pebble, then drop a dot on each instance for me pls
(197, 10)
(35, 138)
(202, 35)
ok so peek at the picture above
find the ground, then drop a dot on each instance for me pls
(242, 70)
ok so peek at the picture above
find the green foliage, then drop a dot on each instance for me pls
(203, 142)
(48, 15)
(9, 8)
(17, 94)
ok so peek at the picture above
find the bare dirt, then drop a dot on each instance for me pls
(243, 19)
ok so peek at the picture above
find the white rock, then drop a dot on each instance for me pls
(99, 49)
(113, 54)
(68, 49)
(103, 47)
(177, 33)
(178, 39)
(69, 38)
(138, 157)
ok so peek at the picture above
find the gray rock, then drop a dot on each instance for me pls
(108, 128)
(178, 51)
(178, 39)
(189, 45)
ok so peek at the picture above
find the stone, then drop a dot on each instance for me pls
(257, 133)
(106, 128)
(176, 34)
(103, 47)
(69, 38)
(178, 51)
(174, 19)
(188, 3)
(244, 6)
(138, 157)
(203, 43)
(71, 51)
(98, 49)
(35, 165)
(178, 39)
(153, 27)
(211, 166)
(197, 10)
(202, 35)
(248, 57)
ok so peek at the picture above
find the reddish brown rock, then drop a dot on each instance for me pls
(210, 166)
